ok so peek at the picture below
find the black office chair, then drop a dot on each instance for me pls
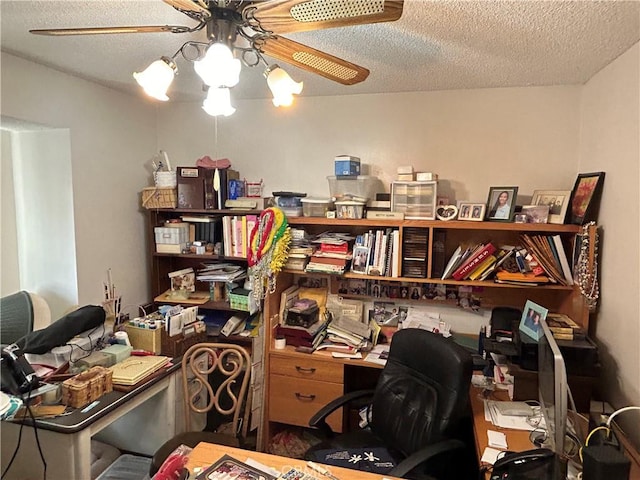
(419, 414)
(229, 397)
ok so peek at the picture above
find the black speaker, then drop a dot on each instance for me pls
(604, 462)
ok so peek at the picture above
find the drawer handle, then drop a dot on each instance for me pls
(302, 396)
(305, 370)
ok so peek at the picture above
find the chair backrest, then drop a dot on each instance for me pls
(230, 362)
(16, 317)
(422, 392)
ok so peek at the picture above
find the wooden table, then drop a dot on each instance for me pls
(207, 453)
(517, 440)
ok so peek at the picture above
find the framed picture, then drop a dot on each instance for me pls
(585, 197)
(360, 259)
(536, 213)
(532, 315)
(473, 212)
(501, 203)
(558, 201)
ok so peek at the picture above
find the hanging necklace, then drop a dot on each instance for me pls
(588, 271)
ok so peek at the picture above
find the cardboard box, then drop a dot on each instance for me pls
(346, 165)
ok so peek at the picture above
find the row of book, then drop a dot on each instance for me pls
(233, 231)
(541, 259)
(376, 253)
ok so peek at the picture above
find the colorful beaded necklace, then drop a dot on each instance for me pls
(269, 250)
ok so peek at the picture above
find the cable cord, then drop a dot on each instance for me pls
(25, 403)
(617, 412)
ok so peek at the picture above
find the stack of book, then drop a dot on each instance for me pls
(299, 336)
(550, 254)
(332, 256)
(563, 328)
(342, 333)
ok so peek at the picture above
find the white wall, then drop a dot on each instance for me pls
(112, 136)
(472, 139)
(609, 141)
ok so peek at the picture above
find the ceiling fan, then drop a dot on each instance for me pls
(261, 23)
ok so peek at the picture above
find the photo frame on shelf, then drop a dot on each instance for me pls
(585, 197)
(360, 260)
(558, 201)
(472, 212)
(532, 315)
(501, 203)
(535, 213)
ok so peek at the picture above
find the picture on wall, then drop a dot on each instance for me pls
(501, 203)
(557, 200)
(585, 197)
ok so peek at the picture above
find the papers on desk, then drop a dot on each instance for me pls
(420, 317)
(490, 455)
(492, 414)
(378, 354)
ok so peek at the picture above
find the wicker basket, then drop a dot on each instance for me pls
(156, 197)
(87, 387)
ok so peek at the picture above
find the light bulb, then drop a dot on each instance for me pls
(218, 68)
(282, 86)
(157, 77)
(218, 102)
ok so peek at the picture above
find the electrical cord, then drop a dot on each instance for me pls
(25, 403)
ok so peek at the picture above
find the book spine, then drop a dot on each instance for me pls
(472, 264)
(486, 263)
(395, 262)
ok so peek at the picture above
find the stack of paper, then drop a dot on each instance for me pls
(134, 369)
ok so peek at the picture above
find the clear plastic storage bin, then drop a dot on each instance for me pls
(363, 186)
(349, 209)
(316, 207)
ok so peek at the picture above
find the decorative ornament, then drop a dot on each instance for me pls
(446, 212)
(268, 250)
(588, 270)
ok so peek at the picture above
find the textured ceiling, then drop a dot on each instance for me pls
(436, 45)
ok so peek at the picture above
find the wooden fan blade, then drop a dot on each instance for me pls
(314, 61)
(189, 6)
(109, 30)
(285, 16)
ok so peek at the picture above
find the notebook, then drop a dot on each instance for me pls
(134, 369)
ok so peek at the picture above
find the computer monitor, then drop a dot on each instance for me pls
(552, 389)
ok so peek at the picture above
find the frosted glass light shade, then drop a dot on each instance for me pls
(282, 86)
(218, 102)
(156, 79)
(218, 68)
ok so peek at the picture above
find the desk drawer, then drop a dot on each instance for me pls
(307, 368)
(295, 400)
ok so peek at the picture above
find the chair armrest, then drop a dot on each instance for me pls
(424, 454)
(318, 420)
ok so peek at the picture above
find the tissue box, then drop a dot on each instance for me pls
(346, 165)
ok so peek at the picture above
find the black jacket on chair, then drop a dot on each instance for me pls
(418, 407)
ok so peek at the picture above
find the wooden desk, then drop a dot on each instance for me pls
(517, 440)
(206, 453)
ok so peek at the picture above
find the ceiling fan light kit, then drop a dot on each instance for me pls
(258, 23)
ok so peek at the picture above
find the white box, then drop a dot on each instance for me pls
(404, 170)
(172, 234)
(349, 209)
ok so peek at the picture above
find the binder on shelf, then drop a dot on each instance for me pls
(474, 261)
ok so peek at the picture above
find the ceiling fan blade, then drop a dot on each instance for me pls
(285, 16)
(108, 30)
(313, 60)
(189, 6)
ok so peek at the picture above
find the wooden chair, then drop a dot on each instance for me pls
(230, 362)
